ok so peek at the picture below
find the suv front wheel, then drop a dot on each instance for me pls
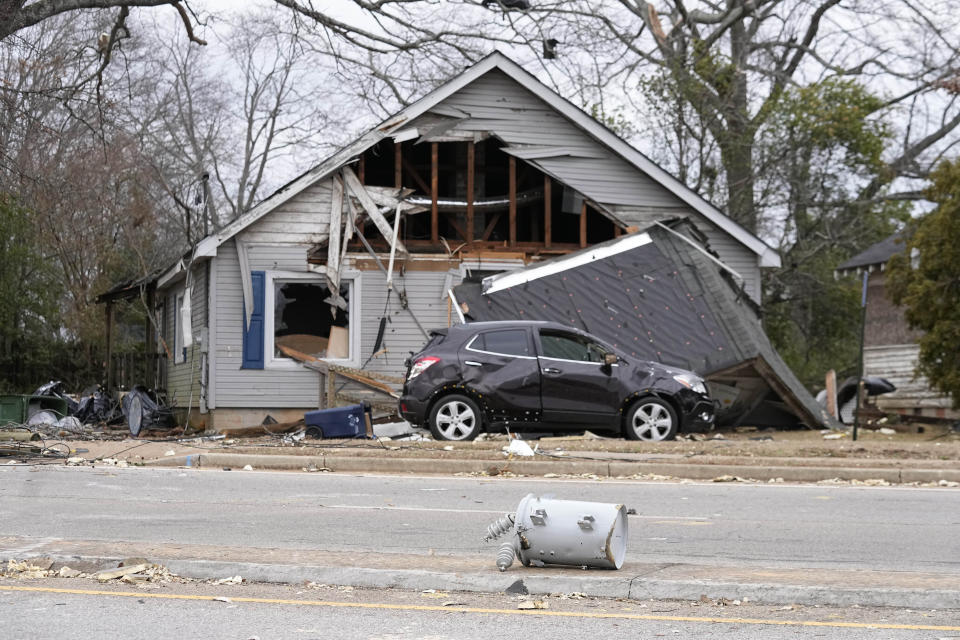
(455, 417)
(651, 419)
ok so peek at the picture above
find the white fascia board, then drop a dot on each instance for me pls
(171, 274)
(207, 248)
(770, 258)
(492, 284)
(624, 149)
(405, 134)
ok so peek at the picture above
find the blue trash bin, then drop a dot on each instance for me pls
(339, 422)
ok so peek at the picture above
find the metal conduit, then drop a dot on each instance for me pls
(479, 204)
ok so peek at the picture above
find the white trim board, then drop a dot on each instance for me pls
(492, 284)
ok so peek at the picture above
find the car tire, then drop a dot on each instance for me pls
(455, 417)
(651, 420)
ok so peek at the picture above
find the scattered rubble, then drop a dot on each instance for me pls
(145, 572)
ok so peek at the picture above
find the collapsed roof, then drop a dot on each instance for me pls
(659, 294)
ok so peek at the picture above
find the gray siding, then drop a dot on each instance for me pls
(278, 242)
(254, 388)
(427, 300)
(304, 218)
(183, 379)
(498, 104)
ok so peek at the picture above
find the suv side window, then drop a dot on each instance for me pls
(510, 342)
(568, 346)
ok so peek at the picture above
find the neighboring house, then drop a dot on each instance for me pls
(890, 347)
(489, 172)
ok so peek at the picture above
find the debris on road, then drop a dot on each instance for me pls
(562, 532)
(231, 580)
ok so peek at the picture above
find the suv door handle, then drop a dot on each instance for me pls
(550, 370)
(473, 363)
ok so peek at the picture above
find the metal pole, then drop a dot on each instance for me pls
(863, 325)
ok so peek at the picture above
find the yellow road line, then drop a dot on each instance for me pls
(515, 612)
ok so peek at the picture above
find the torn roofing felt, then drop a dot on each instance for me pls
(660, 295)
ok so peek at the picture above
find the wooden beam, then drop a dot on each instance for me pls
(471, 174)
(547, 212)
(357, 191)
(583, 225)
(456, 227)
(412, 170)
(398, 165)
(362, 169)
(490, 225)
(334, 235)
(434, 192)
(513, 201)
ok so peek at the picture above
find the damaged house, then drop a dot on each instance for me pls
(349, 265)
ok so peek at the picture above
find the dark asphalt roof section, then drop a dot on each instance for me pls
(876, 254)
(666, 301)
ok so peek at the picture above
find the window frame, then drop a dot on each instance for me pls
(575, 337)
(526, 333)
(271, 278)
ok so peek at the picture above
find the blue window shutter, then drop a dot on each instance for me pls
(253, 335)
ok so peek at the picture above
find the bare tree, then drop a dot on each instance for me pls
(76, 174)
(728, 64)
(223, 128)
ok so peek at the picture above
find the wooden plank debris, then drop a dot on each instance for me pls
(363, 377)
(357, 191)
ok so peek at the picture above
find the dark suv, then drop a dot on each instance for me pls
(532, 375)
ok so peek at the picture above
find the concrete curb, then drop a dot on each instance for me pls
(611, 585)
(601, 468)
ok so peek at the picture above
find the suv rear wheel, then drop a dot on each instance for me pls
(455, 417)
(651, 419)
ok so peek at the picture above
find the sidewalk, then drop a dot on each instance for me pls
(623, 466)
(479, 574)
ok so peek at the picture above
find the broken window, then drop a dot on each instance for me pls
(303, 322)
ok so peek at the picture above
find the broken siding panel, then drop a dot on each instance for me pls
(303, 219)
(278, 258)
(423, 291)
(253, 388)
(496, 103)
(609, 181)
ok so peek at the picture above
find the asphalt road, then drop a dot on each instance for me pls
(80, 609)
(878, 528)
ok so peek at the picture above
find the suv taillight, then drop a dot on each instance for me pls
(420, 365)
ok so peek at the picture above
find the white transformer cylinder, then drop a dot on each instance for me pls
(571, 532)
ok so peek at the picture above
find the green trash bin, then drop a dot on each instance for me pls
(17, 409)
